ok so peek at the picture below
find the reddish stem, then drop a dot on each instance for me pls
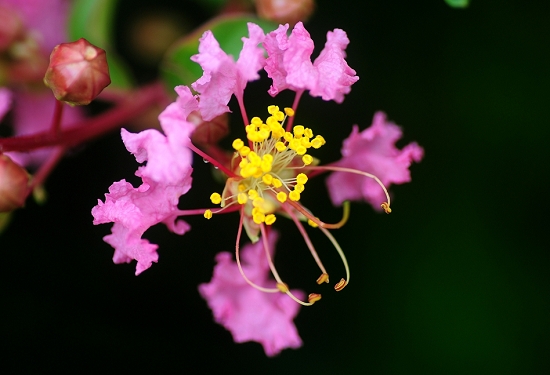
(139, 102)
(57, 115)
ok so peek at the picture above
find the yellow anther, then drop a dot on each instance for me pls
(270, 219)
(308, 132)
(341, 285)
(299, 188)
(280, 146)
(278, 132)
(252, 194)
(313, 297)
(320, 137)
(272, 109)
(294, 195)
(242, 198)
(267, 179)
(263, 134)
(277, 183)
(256, 121)
(289, 111)
(208, 214)
(294, 144)
(282, 287)
(307, 159)
(215, 198)
(279, 116)
(316, 143)
(250, 128)
(301, 178)
(281, 196)
(288, 136)
(312, 223)
(386, 207)
(244, 151)
(237, 144)
(268, 158)
(305, 142)
(258, 218)
(322, 279)
(298, 131)
(265, 166)
(301, 150)
(241, 187)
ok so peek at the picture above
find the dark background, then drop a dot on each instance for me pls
(454, 281)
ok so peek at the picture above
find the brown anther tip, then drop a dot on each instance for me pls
(313, 297)
(282, 287)
(322, 279)
(386, 207)
(341, 285)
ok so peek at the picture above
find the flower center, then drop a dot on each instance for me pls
(267, 166)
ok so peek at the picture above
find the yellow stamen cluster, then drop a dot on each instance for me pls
(263, 165)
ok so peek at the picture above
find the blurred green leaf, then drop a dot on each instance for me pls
(458, 3)
(93, 20)
(177, 67)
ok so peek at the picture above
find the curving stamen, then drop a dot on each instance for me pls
(343, 282)
(260, 288)
(308, 242)
(281, 286)
(386, 205)
(309, 215)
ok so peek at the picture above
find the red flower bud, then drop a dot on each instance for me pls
(14, 183)
(78, 72)
(285, 11)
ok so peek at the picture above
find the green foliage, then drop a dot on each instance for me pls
(177, 67)
(93, 20)
(458, 3)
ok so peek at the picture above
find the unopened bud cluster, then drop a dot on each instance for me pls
(78, 72)
(285, 11)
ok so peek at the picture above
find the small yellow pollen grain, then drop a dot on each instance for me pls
(277, 183)
(281, 196)
(272, 109)
(294, 196)
(243, 151)
(270, 219)
(258, 218)
(308, 132)
(289, 111)
(282, 287)
(242, 198)
(301, 150)
(256, 121)
(299, 188)
(298, 131)
(301, 178)
(215, 198)
(307, 159)
(267, 179)
(237, 144)
(252, 194)
(280, 146)
(312, 223)
(208, 214)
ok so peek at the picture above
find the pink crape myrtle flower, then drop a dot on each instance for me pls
(265, 177)
(166, 177)
(249, 314)
(289, 63)
(372, 150)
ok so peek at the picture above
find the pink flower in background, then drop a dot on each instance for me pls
(249, 314)
(289, 63)
(372, 150)
(5, 101)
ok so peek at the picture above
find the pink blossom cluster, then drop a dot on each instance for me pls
(248, 313)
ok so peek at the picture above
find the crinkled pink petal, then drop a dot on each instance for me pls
(222, 76)
(373, 151)
(166, 176)
(289, 63)
(251, 315)
(335, 77)
(5, 101)
(32, 113)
